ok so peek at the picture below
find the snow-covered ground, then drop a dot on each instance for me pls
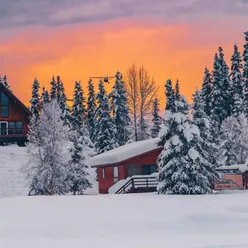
(12, 180)
(125, 221)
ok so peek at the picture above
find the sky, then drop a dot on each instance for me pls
(77, 39)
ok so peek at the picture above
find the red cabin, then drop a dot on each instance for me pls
(134, 160)
(14, 117)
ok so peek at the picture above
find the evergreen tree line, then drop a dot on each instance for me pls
(62, 137)
(212, 132)
(106, 115)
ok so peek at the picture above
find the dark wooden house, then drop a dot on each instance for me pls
(14, 117)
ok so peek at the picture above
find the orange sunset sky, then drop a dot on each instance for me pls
(77, 39)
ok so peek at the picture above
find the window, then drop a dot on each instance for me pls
(116, 174)
(11, 127)
(4, 106)
(133, 170)
(103, 173)
(15, 127)
(4, 99)
(18, 124)
(149, 169)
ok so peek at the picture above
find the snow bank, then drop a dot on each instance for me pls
(125, 221)
(124, 152)
(12, 180)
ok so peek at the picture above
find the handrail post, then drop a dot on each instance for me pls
(132, 183)
(147, 182)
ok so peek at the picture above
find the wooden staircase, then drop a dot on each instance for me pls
(138, 184)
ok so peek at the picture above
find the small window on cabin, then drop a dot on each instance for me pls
(4, 106)
(4, 99)
(11, 127)
(4, 111)
(19, 127)
(103, 173)
(18, 124)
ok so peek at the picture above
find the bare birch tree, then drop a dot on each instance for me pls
(141, 91)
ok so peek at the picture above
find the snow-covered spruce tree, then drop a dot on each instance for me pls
(236, 82)
(221, 95)
(183, 167)
(105, 130)
(177, 91)
(53, 91)
(170, 95)
(44, 97)
(202, 121)
(143, 129)
(78, 107)
(35, 100)
(120, 110)
(61, 98)
(156, 120)
(233, 138)
(225, 83)
(245, 74)
(82, 148)
(47, 168)
(169, 107)
(206, 92)
(91, 109)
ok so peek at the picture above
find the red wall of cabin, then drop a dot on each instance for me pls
(105, 183)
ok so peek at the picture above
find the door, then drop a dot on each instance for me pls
(3, 128)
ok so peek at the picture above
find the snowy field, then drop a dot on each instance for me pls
(12, 180)
(125, 221)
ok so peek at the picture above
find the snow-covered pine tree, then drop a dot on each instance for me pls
(53, 91)
(44, 96)
(221, 95)
(177, 91)
(206, 92)
(143, 129)
(233, 148)
(202, 121)
(91, 109)
(47, 168)
(80, 151)
(183, 167)
(236, 82)
(5, 82)
(35, 100)
(105, 130)
(170, 95)
(61, 98)
(245, 74)
(120, 110)
(156, 120)
(226, 84)
(78, 107)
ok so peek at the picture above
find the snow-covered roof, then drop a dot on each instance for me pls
(125, 152)
(241, 167)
